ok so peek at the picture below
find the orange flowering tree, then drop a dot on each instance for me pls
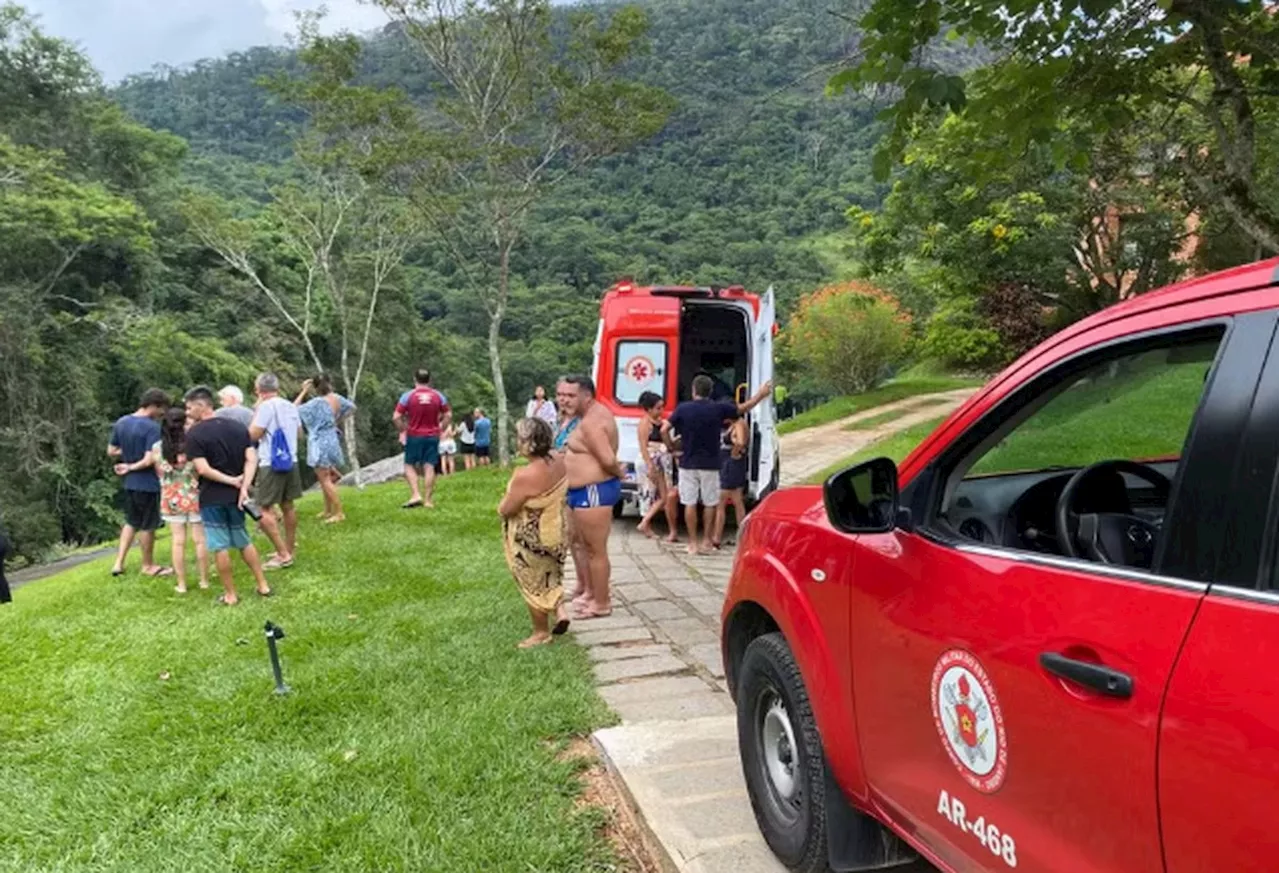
(848, 335)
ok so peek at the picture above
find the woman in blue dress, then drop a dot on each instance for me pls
(321, 416)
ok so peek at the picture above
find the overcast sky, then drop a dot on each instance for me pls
(129, 36)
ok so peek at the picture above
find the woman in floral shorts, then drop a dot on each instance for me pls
(180, 496)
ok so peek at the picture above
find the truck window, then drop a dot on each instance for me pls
(640, 366)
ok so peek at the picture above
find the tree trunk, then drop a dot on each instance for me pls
(495, 363)
(495, 360)
(353, 452)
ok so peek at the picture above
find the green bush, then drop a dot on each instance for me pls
(959, 337)
(848, 335)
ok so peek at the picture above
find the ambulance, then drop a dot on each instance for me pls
(658, 338)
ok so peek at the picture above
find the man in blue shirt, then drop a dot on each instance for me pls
(132, 437)
(484, 436)
(698, 422)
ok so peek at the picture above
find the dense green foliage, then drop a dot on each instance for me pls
(164, 749)
(848, 336)
(754, 163)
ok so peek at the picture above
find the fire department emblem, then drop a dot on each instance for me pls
(639, 369)
(969, 721)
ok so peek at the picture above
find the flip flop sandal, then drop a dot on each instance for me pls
(277, 564)
(222, 601)
(412, 504)
(561, 627)
(159, 571)
(271, 593)
(117, 573)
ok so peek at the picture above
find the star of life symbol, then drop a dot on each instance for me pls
(639, 369)
(969, 721)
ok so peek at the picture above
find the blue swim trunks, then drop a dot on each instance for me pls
(605, 493)
(224, 528)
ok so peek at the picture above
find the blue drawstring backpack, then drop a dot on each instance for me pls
(281, 457)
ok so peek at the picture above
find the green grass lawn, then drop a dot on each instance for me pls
(416, 736)
(1141, 411)
(896, 446)
(890, 392)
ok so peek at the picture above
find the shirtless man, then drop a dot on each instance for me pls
(595, 485)
(565, 394)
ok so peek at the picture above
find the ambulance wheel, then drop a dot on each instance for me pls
(782, 755)
(618, 508)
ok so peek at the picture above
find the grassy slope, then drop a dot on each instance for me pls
(415, 738)
(900, 389)
(1142, 415)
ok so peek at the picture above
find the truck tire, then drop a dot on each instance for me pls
(782, 757)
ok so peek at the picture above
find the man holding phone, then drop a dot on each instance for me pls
(226, 461)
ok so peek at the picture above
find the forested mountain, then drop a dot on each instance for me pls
(108, 291)
(754, 159)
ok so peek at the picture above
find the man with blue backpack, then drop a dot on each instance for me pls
(278, 483)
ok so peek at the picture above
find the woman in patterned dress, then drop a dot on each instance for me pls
(533, 530)
(180, 496)
(321, 416)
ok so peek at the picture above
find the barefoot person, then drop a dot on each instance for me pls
(278, 482)
(733, 478)
(321, 416)
(657, 493)
(699, 422)
(132, 437)
(419, 416)
(533, 530)
(568, 423)
(179, 496)
(225, 459)
(595, 485)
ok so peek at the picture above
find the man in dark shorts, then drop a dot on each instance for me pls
(132, 437)
(595, 485)
(420, 415)
(226, 462)
(699, 423)
(274, 414)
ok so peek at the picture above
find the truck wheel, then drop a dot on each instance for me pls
(618, 509)
(782, 755)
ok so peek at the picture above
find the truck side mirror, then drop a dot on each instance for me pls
(863, 498)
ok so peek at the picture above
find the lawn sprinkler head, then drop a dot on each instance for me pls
(275, 632)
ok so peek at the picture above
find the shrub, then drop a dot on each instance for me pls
(1014, 311)
(959, 337)
(848, 335)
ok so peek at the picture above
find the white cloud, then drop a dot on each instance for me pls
(131, 36)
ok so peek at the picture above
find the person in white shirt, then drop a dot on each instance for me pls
(541, 407)
(272, 486)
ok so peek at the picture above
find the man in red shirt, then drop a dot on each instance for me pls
(420, 415)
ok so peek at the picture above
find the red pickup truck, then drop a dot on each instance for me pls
(1048, 639)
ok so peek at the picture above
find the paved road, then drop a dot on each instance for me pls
(810, 451)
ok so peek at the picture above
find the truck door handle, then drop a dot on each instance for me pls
(1104, 680)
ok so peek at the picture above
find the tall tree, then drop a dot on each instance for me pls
(513, 114)
(323, 254)
(1201, 70)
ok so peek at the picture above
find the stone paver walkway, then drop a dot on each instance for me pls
(657, 664)
(812, 450)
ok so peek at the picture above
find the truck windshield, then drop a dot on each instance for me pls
(639, 366)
